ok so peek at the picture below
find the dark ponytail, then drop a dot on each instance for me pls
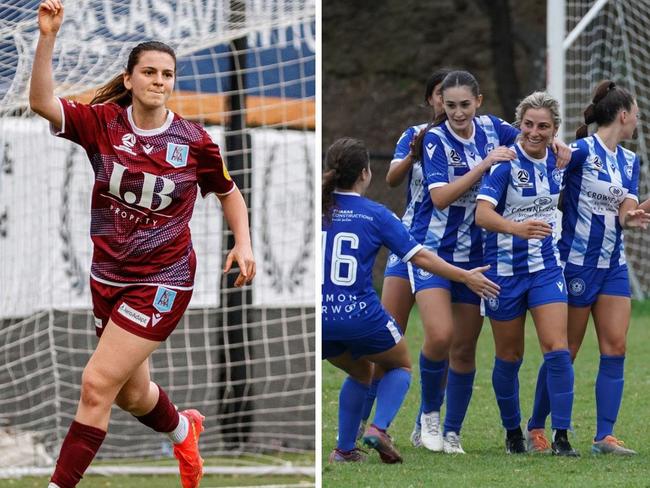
(346, 158)
(115, 91)
(608, 100)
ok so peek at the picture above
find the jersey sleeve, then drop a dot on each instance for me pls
(506, 132)
(579, 153)
(212, 174)
(434, 162)
(633, 190)
(403, 146)
(80, 123)
(395, 236)
(495, 183)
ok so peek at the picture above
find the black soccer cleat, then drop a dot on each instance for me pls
(515, 442)
(561, 445)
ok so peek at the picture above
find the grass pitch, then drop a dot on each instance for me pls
(486, 464)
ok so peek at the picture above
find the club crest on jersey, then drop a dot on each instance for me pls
(392, 260)
(629, 170)
(577, 286)
(522, 179)
(596, 162)
(557, 175)
(492, 303)
(489, 147)
(177, 154)
(164, 299)
(128, 141)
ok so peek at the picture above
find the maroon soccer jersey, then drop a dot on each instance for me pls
(144, 192)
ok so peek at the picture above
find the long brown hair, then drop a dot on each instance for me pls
(346, 158)
(115, 91)
(608, 100)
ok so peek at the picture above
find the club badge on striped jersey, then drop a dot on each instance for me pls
(164, 299)
(177, 154)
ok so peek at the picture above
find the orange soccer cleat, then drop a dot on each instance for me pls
(190, 463)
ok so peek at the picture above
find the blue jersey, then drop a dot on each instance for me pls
(523, 189)
(452, 232)
(358, 229)
(597, 182)
(415, 187)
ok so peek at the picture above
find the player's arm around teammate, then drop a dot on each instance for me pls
(517, 205)
(140, 286)
(600, 200)
(357, 330)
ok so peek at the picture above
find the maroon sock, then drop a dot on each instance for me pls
(77, 451)
(163, 417)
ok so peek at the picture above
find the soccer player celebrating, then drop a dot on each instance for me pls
(517, 204)
(396, 294)
(357, 331)
(147, 163)
(600, 200)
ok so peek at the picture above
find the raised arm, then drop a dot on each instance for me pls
(399, 168)
(41, 89)
(236, 214)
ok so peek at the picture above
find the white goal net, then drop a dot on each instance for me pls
(246, 359)
(612, 43)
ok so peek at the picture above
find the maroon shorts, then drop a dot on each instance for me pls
(148, 311)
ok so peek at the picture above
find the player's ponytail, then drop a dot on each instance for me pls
(346, 158)
(114, 91)
(608, 100)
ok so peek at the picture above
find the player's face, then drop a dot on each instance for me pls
(537, 131)
(435, 100)
(630, 122)
(152, 80)
(460, 105)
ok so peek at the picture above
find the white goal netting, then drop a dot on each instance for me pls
(246, 359)
(614, 45)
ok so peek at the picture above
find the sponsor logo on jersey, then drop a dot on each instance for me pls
(577, 286)
(177, 154)
(492, 303)
(128, 141)
(148, 187)
(455, 159)
(392, 260)
(557, 175)
(424, 274)
(596, 162)
(543, 201)
(164, 299)
(522, 179)
(155, 318)
(147, 148)
(133, 315)
(616, 191)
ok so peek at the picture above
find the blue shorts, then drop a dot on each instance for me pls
(376, 337)
(586, 283)
(522, 292)
(460, 293)
(396, 267)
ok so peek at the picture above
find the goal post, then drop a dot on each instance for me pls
(245, 358)
(592, 40)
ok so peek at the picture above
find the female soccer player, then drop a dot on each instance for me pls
(396, 295)
(147, 162)
(600, 200)
(517, 205)
(357, 331)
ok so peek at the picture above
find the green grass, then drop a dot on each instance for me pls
(486, 463)
(169, 481)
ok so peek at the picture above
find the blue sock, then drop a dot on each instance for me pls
(439, 398)
(351, 399)
(432, 375)
(391, 392)
(609, 393)
(459, 393)
(370, 400)
(559, 379)
(505, 382)
(542, 404)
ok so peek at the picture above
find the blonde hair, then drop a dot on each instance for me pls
(537, 100)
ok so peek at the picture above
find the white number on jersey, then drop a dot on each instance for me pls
(339, 259)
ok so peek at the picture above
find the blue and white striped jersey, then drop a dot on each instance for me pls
(358, 229)
(597, 182)
(452, 232)
(523, 189)
(415, 187)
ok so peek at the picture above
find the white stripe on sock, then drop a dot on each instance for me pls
(179, 434)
